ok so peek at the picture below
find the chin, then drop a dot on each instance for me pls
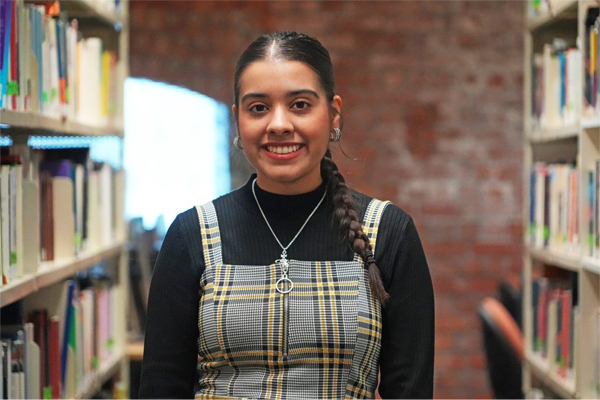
(289, 175)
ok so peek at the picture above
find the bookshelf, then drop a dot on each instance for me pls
(51, 272)
(561, 268)
(27, 122)
(51, 103)
(93, 383)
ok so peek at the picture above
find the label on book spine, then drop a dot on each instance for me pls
(12, 88)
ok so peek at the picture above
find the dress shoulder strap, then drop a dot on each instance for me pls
(372, 219)
(211, 236)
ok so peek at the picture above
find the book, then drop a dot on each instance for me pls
(47, 217)
(32, 363)
(39, 319)
(65, 356)
(7, 272)
(46, 66)
(4, 72)
(7, 378)
(556, 94)
(553, 208)
(15, 215)
(54, 359)
(31, 225)
(18, 339)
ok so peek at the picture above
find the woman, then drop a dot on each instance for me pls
(276, 290)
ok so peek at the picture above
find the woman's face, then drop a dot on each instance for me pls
(284, 121)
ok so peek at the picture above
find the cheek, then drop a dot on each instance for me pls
(249, 129)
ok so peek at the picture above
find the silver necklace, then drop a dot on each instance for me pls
(284, 284)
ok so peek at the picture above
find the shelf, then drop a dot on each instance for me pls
(563, 10)
(548, 135)
(591, 123)
(559, 259)
(27, 121)
(591, 264)
(93, 383)
(565, 388)
(52, 272)
(93, 10)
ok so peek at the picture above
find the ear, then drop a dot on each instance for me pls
(234, 110)
(336, 103)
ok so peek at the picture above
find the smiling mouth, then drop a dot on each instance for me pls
(283, 149)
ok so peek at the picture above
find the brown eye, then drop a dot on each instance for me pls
(258, 108)
(301, 105)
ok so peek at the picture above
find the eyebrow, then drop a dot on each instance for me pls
(292, 93)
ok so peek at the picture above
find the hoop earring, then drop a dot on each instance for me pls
(237, 142)
(336, 135)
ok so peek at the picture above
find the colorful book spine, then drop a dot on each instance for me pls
(45, 65)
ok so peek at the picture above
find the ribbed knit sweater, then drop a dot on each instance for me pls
(407, 343)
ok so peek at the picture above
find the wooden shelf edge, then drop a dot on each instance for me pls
(97, 379)
(550, 135)
(591, 264)
(591, 123)
(106, 16)
(538, 22)
(52, 272)
(559, 259)
(540, 368)
(17, 290)
(33, 121)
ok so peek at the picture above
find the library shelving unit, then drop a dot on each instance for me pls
(561, 137)
(106, 20)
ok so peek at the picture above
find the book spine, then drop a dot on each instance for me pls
(54, 358)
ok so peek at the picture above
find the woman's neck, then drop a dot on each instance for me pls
(305, 184)
(279, 206)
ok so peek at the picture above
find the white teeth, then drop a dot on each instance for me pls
(283, 149)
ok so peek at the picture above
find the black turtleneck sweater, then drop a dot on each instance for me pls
(407, 344)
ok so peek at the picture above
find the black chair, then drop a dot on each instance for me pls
(503, 343)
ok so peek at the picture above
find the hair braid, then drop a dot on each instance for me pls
(344, 213)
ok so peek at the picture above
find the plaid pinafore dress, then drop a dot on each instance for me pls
(319, 341)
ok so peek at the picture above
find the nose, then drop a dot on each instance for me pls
(279, 124)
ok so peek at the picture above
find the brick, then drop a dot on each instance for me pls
(478, 361)
(497, 249)
(452, 323)
(444, 342)
(447, 248)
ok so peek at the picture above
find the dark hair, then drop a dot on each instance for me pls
(288, 46)
(292, 46)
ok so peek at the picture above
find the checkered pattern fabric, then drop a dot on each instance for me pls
(320, 341)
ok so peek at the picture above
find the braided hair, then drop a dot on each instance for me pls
(292, 46)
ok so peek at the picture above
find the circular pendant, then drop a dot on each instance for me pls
(284, 285)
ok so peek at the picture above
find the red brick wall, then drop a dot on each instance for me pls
(432, 96)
